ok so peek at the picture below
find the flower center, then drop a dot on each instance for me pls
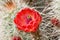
(28, 19)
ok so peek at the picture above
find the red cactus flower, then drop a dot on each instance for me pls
(55, 22)
(16, 38)
(28, 20)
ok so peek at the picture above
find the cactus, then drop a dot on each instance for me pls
(47, 29)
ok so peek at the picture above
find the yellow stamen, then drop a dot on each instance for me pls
(29, 17)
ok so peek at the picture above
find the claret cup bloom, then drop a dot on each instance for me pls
(28, 20)
(16, 38)
(55, 22)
